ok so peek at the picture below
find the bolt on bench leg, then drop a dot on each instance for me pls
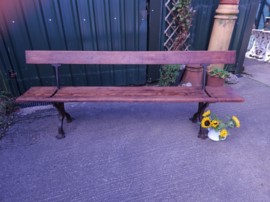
(60, 106)
(198, 117)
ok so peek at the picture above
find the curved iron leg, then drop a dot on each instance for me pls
(61, 115)
(197, 117)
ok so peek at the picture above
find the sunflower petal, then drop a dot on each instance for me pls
(236, 121)
(207, 113)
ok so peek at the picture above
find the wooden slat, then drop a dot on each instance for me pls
(223, 94)
(129, 94)
(116, 94)
(130, 57)
(35, 94)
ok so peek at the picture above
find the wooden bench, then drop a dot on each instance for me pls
(58, 95)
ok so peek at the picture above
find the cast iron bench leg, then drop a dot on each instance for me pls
(60, 106)
(198, 117)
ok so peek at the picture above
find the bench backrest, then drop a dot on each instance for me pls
(56, 58)
(130, 57)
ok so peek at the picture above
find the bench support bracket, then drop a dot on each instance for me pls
(56, 71)
(197, 117)
(62, 114)
(204, 75)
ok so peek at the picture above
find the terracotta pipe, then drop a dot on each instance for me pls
(225, 18)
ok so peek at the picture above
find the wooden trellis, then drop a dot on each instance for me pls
(175, 37)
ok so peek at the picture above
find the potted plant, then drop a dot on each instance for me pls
(192, 75)
(168, 75)
(218, 129)
(216, 77)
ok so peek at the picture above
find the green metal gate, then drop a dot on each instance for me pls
(70, 25)
(99, 25)
(203, 22)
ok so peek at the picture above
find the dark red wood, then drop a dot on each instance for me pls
(129, 94)
(130, 57)
(223, 94)
(231, 2)
(37, 93)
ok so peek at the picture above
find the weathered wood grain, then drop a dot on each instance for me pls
(37, 94)
(223, 94)
(130, 57)
(129, 94)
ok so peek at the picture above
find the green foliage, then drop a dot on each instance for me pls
(7, 103)
(183, 13)
(7, 106)
(217, 72)
(210, 121)
(168, 74)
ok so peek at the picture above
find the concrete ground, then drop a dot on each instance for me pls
(141, 152)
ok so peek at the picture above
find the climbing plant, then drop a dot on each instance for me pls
(179, 21)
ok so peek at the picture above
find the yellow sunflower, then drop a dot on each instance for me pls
(236, 121)
(223, 133)
(214, 123)
(207, 113)
(206, 122)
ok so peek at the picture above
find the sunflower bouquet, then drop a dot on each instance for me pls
(210, 121)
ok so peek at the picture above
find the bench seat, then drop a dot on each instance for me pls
(130, 94)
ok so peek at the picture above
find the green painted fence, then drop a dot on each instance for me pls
(203, 22)
(70, 25)
(99, 25)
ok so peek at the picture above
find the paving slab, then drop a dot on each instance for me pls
(258, 71)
